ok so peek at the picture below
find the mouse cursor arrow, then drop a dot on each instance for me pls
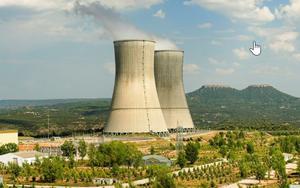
(256, 50)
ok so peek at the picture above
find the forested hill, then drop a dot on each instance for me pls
(214, 105)
(260, 94)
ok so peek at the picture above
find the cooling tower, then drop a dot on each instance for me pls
(168, 68)
(135, 105)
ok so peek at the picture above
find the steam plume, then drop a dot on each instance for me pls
(116, 27)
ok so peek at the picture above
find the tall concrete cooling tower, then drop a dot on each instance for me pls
(168, 69)
(135, 105)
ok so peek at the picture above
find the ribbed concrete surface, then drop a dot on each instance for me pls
(168, 68)
(135, 104)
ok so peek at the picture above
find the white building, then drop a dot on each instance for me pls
(21, 157)
(8, 136)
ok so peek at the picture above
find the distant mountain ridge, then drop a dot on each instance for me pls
(214, 105)
(253, 93)
(42, 102)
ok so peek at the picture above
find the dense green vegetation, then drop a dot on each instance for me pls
(81, 116)
(114, 154)
(256, 107)
(233, 155)
(255, 157)
(212, 107)
(8, 148)
(253, 154)
(115, 159)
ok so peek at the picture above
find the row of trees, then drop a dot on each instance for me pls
(114, 154)
(105, 155)
(223, 173)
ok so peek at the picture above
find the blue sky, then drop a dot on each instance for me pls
(63, 48)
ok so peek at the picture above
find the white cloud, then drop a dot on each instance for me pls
(206, 25)
(160, 14)
(225, 71)
(104, 12)
(290, 11)
(284, 41)
(37, 4)
(128, 4)
(245, 10)
(191, 68)
(241, 53)
(68, 4)
(278, 39)
(280, 46)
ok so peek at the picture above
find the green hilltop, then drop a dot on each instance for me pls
(257, 106)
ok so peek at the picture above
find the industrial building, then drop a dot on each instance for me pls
(135, 105)
(168, 69)
(156, 160)
(8, 136)
(21, 157)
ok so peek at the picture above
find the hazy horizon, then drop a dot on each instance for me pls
(109, 97)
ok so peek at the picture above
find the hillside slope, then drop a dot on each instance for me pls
(216, 106)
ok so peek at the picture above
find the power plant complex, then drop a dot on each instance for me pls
(148, 94)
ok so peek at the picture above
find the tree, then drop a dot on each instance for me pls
(181, 159)
(152, 150)
(68, 148)
(278, 164)
(92, 152)
(37, 147)
(82, 149)
(119, 153)
(154, 170)
(164, 181)
(191, 152)
(72, 162)
(260, 170)
(26, 171)
(250, 148)
(14, 169)
(52, 169)
(244, 169)
(223, 151)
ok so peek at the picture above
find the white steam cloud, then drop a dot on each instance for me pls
(116, 27)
